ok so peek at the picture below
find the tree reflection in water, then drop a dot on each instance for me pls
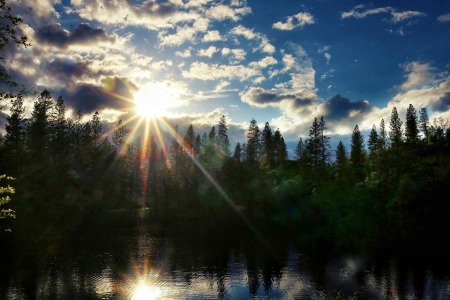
(137, 259)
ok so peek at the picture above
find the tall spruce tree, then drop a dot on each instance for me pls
(14, 139)
(341, 156)
(314, 148)
(280, 150)
(357, 147)
(395, 133)
(357, 151)
(382, 137)
(189, 140)
(318, 145)
(299, 149)
(237, 152)
(252, 150)
(222, 137)
(39, 131)
(373, 142)
(411, 130)
(268, 149)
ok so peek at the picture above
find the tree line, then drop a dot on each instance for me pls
(66, 168)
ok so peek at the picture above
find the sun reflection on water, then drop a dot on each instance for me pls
(144, 291)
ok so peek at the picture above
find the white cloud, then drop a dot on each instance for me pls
(418, 75)
(245, 32)
(396, 16)
(34, 12)
(221, 86)
(264, 63)
(298, 20)
(238, 54)
(150, 14)
(182, 35)
(201, 25)
(209, 52)
(212, 36)
(222, 12)
(444, 18)
(185, 53)
(203, 71)
(327, 56)
(404, 15)
(266, 46)
(259, 80)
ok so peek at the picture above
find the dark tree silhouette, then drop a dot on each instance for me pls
(237, 152)
(395, 133)
(373, 142)
(357, 155)
(411, 130)
(341, 156)
(252, 149)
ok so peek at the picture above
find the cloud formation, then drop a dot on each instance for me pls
(442, 104)
(418, 74)
(55, 35)
(444, 18)
(298, 20)
(359, 12)
(89, 98)
(204, 71)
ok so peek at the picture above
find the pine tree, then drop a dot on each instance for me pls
(14, 139)
(268, 149)
(97, 128)
(357, 151)
(395, 135)
(197, 146)
(373, 142)
(39, 131)
(119, 135)
(318, 145)
(60, 143)
(237, 152)
(382, 137)
(300, 149)
(411, 130)
(253, 142)
(424, 122)
(222, 137)
(280, 150)
(212, 135)
(189, 140)
(341, 155)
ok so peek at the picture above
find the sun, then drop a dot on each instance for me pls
(155, 100)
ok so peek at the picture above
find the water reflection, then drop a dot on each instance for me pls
(140, 261)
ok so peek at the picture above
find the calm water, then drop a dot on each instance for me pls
(132, 258)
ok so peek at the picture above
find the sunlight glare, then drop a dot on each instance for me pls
(147, 292)
(155, 100)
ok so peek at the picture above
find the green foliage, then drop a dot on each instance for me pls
(5, 193)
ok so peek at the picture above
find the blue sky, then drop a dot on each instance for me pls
(283, 61)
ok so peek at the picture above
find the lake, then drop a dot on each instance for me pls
(134, 257)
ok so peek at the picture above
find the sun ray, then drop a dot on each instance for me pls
(158, 118)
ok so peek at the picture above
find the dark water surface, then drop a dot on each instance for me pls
(134, 258)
